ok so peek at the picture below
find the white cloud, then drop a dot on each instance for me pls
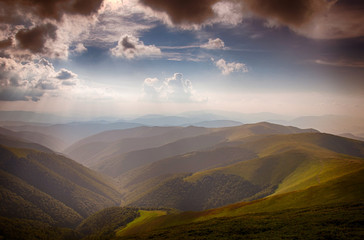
(151, 89)
(173, 89)
(214, 44)
(227, 13)
(227, 68)
(31, 80)
(65, 74)
(117, 18)
(80, 48)
(131, 47)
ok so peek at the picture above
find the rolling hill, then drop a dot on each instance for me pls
(51, 188)
(92, 150)
(251, 181)
(120, 164)
(331, 210)
(260, 166)
(183, 140)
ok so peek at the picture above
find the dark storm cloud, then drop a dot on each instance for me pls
(288, 12)
(35, 38)
(38, 20)
(295, 13)
(318, 19)
(184, 11)
(6, 43)
(351, 4)
(49, 9)
(127, 44)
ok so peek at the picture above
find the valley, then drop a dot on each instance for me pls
(175, 182)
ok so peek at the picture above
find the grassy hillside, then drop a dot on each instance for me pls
(273, 164)
(209, 192)
(268, 145)
(145, 216)
(333, 208)
(57, 190)
(320, 222)
(21, 200)
(256, 181)
(102, 224)
(20, 229)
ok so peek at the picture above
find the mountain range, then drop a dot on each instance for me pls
(143, 179)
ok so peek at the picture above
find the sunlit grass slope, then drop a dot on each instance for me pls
(342, 221)
(332, 204)
(102, 224)
(257, 167)
(294, 169)
(141, 222)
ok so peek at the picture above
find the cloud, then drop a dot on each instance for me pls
(42, 28)
(80, 48)
(131, 47)
(117, 18)
(34, 39)
(24, 81)
(33, 80)
(342, 20)
(65, 74)
(6, 43)
(227, 68)
(151, 90)
(292, 13)
(190, 12)
(341, 63)
(227, 13)
(318, 19)
(214, 44)
(192, 15)
(45, 9)
(173, 89)
(183, 11)
(20, 94)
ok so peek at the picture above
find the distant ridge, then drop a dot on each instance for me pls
(217, 124)
(50, 142)
(72, 132)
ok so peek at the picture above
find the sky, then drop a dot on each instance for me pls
(132, 57)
